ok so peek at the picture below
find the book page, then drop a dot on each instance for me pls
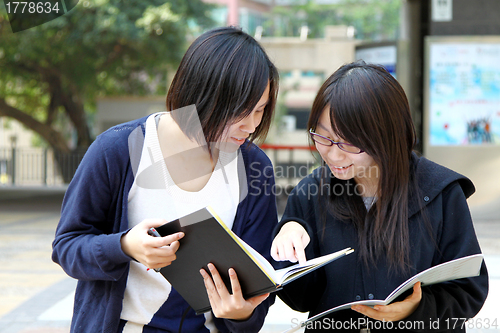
(279, 276)
(258, 258)
(290, 273)
(455, 269)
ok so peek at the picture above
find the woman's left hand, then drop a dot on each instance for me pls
(395, 311)
(226, 305)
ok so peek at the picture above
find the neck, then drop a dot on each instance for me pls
(169, 132)
(369, 187)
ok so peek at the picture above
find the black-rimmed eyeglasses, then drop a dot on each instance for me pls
(347, 147)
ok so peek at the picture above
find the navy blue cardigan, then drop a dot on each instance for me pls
(442, 196)
(94, 218)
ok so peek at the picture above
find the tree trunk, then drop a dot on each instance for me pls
(67, 159)
(53, 137)
(73, 105)
(70, 99)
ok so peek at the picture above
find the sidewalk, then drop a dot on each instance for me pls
(36, 296)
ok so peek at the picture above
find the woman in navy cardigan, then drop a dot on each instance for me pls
(221, 99)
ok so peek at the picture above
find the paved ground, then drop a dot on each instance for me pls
(36, 296)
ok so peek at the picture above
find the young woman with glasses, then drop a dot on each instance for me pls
(143, 173)
(400, 212)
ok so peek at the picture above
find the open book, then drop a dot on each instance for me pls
(455, 269)
(208, 240)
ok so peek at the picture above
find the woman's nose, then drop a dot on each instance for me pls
(251, 122)
(335, 153)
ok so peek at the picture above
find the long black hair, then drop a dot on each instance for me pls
(369, 109)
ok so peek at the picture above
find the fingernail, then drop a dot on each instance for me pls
(232, 272)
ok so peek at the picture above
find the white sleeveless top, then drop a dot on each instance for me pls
(146, 291)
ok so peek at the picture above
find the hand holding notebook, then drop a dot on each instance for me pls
(208, 240)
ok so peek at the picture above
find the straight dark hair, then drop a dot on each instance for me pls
(369, 109)
(224, 74)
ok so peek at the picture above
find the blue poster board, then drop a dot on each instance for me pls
(385, 55)
(463, 80)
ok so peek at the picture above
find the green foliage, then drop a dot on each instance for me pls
(372, 19)
(101, 47)
(104, 44)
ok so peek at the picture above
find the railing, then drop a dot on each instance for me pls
(291, 162)
(41, 166)
(37, 166)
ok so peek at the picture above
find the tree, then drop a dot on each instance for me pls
(50, 75)
(372, 19)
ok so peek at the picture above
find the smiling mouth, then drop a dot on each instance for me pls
(239, 140)
(341, 168)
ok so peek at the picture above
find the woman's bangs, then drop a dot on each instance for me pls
(344, 117)
(254, 80)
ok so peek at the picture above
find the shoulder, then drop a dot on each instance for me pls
(252, 153)
(257, 163)
(433, 178)
(309, 186)
(110, 150)
(315, 177)
(118, 136)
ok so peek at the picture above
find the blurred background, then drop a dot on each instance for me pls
(105, 62)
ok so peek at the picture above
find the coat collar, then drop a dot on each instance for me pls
(432, 179)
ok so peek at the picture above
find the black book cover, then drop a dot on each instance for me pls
(208, 241)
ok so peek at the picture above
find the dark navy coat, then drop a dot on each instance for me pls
(442, 195)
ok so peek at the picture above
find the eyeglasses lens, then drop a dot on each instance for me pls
(344, 146)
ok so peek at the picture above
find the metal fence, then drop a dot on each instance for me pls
(42, 166)
(37, 166)
(291, 162)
